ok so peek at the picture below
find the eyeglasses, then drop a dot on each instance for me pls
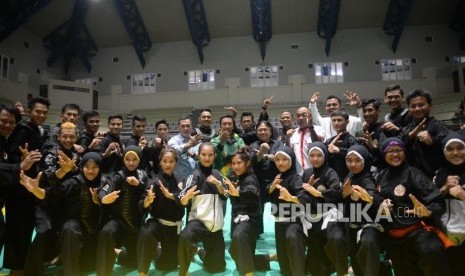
(393, 152)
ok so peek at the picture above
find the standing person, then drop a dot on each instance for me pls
(121, 195)
(364, 234)
(326, 243)
(291, 227)
(111, 147)
(58, 165)
(338, 144)
(245, 215)
(248, 134)
(81, 212)
(186, 147)
(263, 163)
(399, 116)
(226, 143)
(137, 138)
(300, 138)
(333, 103)
(286, 119)
(424, 135)
(205, 129)
(165, 221)
(372, 132)
(204, 193)
(19, 203)
(88, 138)
(450, 180)
(413, 204)
(162, 129)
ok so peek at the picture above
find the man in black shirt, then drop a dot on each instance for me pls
(399, 116)
(89, 138)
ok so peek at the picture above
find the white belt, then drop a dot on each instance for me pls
(306, 225)
(241, 218)
(171, 223)
(377, 226)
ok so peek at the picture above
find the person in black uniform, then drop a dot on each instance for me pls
(450, 180)
(89, 138)
(81, 213)
(165, 221)
(286, 193)
(19, 202)
(205, 129)
(399, 116)
(58, 164)
(414, 205)
(111, 147)
(358, 192)
(326, 244)
(121, 196)
(205, 194)
(263, 162)
(137, 138)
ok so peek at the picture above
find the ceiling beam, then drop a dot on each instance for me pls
(261, 23)
(71, 39)
(328, 17)
(198, 26)
(132, 21)
(14, 14)
(395, 20)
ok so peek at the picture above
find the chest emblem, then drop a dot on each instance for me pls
(399, 190)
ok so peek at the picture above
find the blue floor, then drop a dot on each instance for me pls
(265, 245)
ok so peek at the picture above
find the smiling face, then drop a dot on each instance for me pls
(91, 170)
(354, 163)
(239, 166)
(286, 119)
(419, 108)
(115, 125)
(331, 105)
(394, 156)
(7, 123)
(206, 155)
(316, 158)
(370, 114)
(455, 153)
(92, 124)
(131, 161)
(282, 162)
(38, 114)
(263, 133)
(205, 119)
(168, 163)
(67, 138)
(394, 99)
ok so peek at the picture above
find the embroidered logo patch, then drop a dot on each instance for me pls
(399, 190)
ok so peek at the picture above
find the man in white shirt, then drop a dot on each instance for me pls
(301, 137)
(332, 103)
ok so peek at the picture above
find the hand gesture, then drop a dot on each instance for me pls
(111, 197)
(425, 137)
(31, 184)
(66, 164)
(457, 192)
(95, 142)
(412, 134)
(353, 99)
(289, 132)
(332, 148)
(132, 180)
(277, 180)
(347, 189)
(189, 195)
(30, 159)
(93, 192)
(314, 97)
(232, 109)
(165, 191)
(418, 208)
(78, 148)
(364, 195)
(142, 142)
(284, 194)
(149, 198)
(386, 207)
(367, 139)
(212, 180)
(309, 187)
(24, 151)
(231, 187)
(390, 126)
(224, 136)
(267, 102)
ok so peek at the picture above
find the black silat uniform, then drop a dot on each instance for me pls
(113, 162)
(147, 154)
(49, 216)
(326, 240)
(289, 230)
(19, 202)
(84, 140)
(125, 221)
(207, 133)
(337, 161)
(163, 226)
(415, 251)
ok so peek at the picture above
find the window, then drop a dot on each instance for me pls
(329, 72)
(458, 59)
(266, 75)
(92, 81)
(143, 83)
(396, 69)
(4, 66)
(201, 80)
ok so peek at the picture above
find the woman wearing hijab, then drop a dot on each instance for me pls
(122, 195)
(359, 194)
(411, 201)
(450, 180)
(81, 211)
(326, 241)
(287, 198)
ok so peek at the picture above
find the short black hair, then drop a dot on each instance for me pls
(184, 117)
(376, 103)
(162, 121)
(33, 101)
(393, 87)
(71, 106)
(12, 110)
(340, 112)
(114, 116)
(246, 114)
(419, 93)
(138, 118)
(88, 114)
(292, 115)
(333, 97)
(205, 110)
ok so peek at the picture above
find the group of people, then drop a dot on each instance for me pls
(339, 186)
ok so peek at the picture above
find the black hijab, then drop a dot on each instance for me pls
(97, 158)
(365, 156)
(289, 154)
(449, 168)
(321, 148)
